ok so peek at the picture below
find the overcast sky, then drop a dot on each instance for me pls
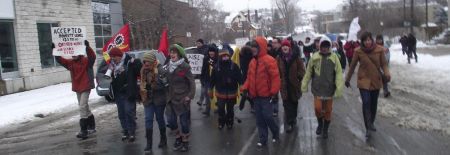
(237, 5)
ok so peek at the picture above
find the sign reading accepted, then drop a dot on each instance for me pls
(69, 41)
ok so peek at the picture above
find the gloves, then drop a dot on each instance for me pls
(242, 103)
(347, 84)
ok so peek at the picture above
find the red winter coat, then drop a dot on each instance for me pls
(350, 47)
(81, 71)
(263, 77)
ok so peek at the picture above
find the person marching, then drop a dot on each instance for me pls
(205, 77)
(82, 75)
(181, 92)
(371, 60)
(292, 71)
(126, 70)
(153, 89)
(245, 57)
(225, 79)
(325, 71)
(261, 85)
(380, 41)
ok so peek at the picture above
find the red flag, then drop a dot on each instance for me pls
(164, 43)
(121, 40)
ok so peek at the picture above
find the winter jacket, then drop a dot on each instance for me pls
(274, 52)
(369, 77)
(154, 86)
(291, 74)
(350, 47)
(307, 50)
(326, 74)
(181, 85)
(403, 41)
(411, 42)
(244, 60)
(208, 63)
(81, 70)
(341, 54)
(263, 77)
(126, 82)
(225, 79)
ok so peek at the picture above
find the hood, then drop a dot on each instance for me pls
(326, 39)
(262, 43)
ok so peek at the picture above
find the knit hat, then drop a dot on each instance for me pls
(115, 52)
(212, 48)
(179, 49)
(286, 43)
(223, 52)
(149, 57)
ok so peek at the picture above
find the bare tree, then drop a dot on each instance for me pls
(288, 10)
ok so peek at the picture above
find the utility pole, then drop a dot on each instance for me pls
(412, 17)
(404, 11)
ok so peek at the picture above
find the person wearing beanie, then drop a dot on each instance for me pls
(292, 71)
(325, 72)
(181, 92)
(82, 75)
(209, 61)
(126, 70)
(225, 79)
(153, 90)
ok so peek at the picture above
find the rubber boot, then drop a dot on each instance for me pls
(91, 124)
(320, 126)
(325, 129)
(149, 136)
(83, 134)
(163, 138)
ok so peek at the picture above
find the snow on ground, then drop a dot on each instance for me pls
(420, 91)
(21, 107)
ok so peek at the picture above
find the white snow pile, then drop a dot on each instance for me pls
(420, 91)
(21, 107)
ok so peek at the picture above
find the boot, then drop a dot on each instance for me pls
(229, 124)
(132, 137)
(83, 134)
(177, 144)
(149, 136)
(163, 138)
(91, 124)
(325, 129)
(184, 147)
(125, 135)
(320, 126)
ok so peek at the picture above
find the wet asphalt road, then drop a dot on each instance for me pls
(347, 135)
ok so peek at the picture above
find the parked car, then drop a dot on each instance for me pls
(103, 87)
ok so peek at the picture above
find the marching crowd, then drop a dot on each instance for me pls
(262, 73)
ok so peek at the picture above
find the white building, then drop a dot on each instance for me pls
(25, 42)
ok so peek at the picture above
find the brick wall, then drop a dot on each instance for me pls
(30, 12)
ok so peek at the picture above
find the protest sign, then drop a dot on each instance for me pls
(69, 41)
(196, 63)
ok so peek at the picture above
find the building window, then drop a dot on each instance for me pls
(8, 53)
(102, 24)
(45, 44)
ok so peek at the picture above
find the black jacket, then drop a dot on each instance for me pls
(126, 82)
(226, 78)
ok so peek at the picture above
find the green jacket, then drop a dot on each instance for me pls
(326, 76)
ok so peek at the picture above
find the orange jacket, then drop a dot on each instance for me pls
(263, 77)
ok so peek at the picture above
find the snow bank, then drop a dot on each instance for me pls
(420, 91)
(21, 107)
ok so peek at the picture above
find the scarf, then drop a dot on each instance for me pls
(286, 56)
(174, 65)
(369, 49)
(118, 68)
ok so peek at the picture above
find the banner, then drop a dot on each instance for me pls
(164, 43)
(196, 63)
(121, 40)
(69, 41)
(240, 42)
(353, 30)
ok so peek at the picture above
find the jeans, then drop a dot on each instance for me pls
(126, 109)
(151, 111)
(183, 121)
(226, 111)
(290, 111)
(264, 119)
(204, 95)
(369, 107)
